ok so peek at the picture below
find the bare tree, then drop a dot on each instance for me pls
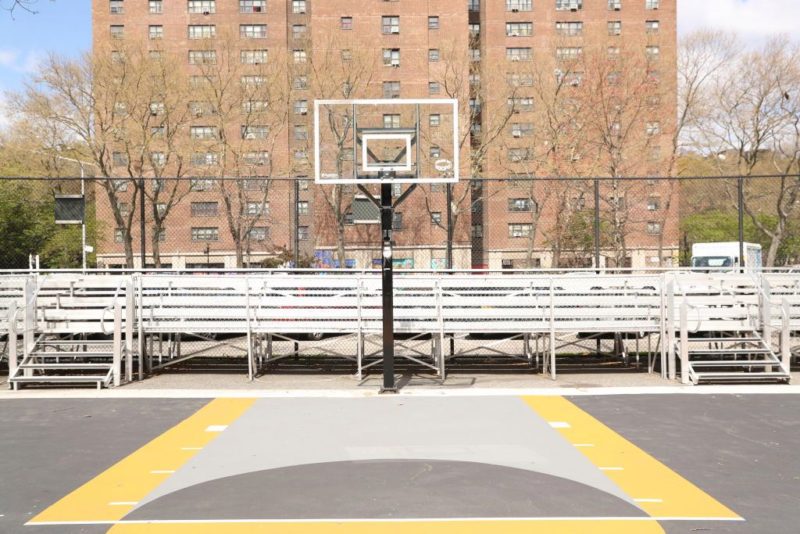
(339, 69)
(245, 98)
(754, 128)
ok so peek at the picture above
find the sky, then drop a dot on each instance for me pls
(64, 26)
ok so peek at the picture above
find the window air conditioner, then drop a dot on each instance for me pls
(206, 12)
(514, 34)
(303, 112)
(256, 9)
(515, 10)
(395, 31)
(250, 136)
(514, 58)
(395, 63)
(516, 135)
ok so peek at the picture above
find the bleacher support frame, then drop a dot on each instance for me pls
(542, 313)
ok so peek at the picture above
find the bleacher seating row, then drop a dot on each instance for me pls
(272, 306)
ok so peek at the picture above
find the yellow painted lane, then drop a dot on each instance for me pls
(114, 492)
(555, 526)
(656, 488)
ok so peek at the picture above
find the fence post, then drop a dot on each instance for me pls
(296, 216)
(130, 309)
(117, 357)
(670, 310)
(597, 224)
(142, 237)
(684, 342)
(740, 208)
(449, 201)
(12, 341)
(786, 332)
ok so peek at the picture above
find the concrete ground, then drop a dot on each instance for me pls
(451, 462)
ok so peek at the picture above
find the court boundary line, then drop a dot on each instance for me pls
(380, 520)
(126, 393)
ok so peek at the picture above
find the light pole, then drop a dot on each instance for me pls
(83, 194)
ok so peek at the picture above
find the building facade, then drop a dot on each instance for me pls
(548, 88)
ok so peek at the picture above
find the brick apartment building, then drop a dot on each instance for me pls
(415, 49)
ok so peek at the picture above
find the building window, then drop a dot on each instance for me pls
(301, 107)
(651, 26)
(435, 152)
(158, 159)
(158, 184)
(519, 230)
(201, 184)
(653, 128)
(300, 82)
(202, 7)
(119, 186)
(299, 56)
(155, 55)
(347, 55)
(397, 221)
(117, 31)
(253, 31)
(651, 4)
(203, 132)
(156, 7)
(653, 203)
(520, 80)
(255, 132)
(258, 233)
(117, 7)
(158, 132)
(302, 233)
(299, 31)
(521, 103)
(614, 27)
(521, 205)
(302, 207)
(434, 88)
(119, 235)
(300, 132)
(654, 228)
(205, 158)
(252, 6)
(391, 120)
(568, 52)
(653, 52)
(391, 57)
(299, 7)
(474, 30)
(161, 209)
(474, 5)
(516, 6)
(391, 89)
(202, 57)
(119, 159)
(519, 54)
(519, 29)
(205, 234)
(257, 209)
(436, 217)
(434, 120)
(202, 31)
(433, 55)
(614, 5)
(346, 23)
(255, 159)
(477, 231)
(252, 80)
(613, 52)
(521, 129)
(390, 25)
(517, 155)
(569, 28)
(475, 54)
(569, 5)
(205, 209)
(433, 23)
(253, 57)
(124, 209)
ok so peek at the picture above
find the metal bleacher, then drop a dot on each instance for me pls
(102, 329)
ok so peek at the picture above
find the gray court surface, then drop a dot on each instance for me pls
(404, 457)
(50, 447)
(744, 450)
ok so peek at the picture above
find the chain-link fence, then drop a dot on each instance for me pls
(205, 223)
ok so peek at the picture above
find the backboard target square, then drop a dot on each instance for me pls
(380, 140)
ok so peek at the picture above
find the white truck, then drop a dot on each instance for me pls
(725, 256)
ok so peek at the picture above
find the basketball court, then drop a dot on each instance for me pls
(514, 463)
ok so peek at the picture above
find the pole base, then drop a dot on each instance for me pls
(384, 390)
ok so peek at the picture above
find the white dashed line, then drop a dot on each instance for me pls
(191, 448)
(216, 428)
(123, 503)
(612, 469)
(162, 472)
(559, 424)
(584, 444)
(648, 500)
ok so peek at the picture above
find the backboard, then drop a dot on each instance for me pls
(386, 140)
